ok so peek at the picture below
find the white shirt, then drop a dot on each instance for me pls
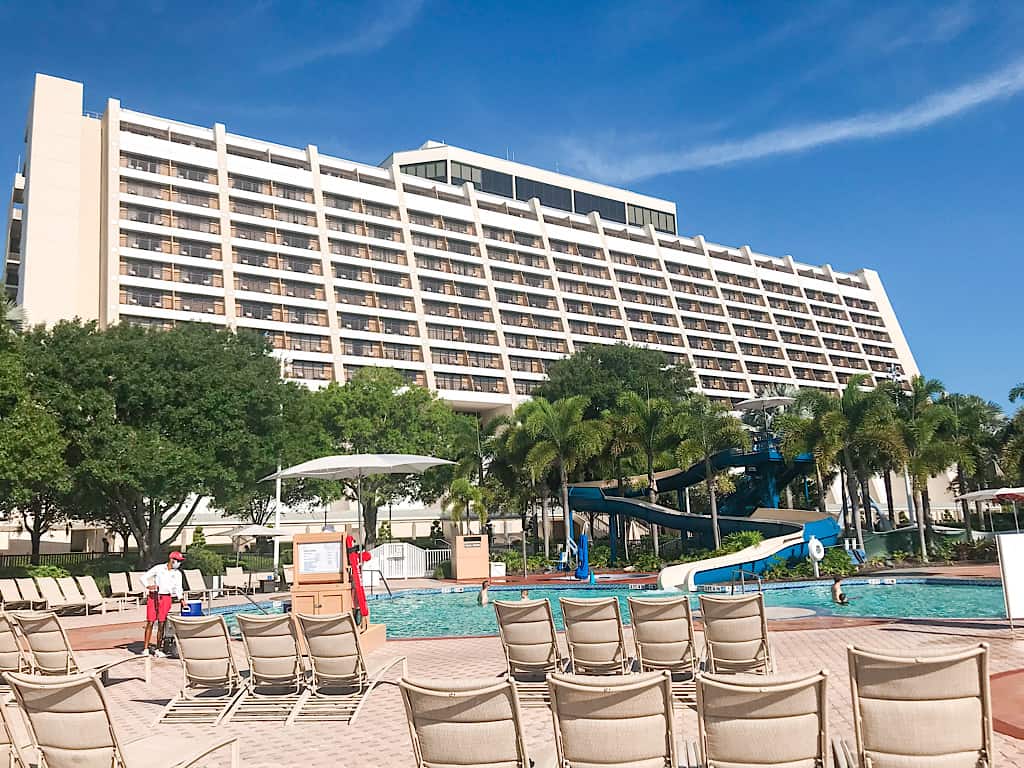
(167, 580)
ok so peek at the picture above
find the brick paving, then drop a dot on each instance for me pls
(380, 736)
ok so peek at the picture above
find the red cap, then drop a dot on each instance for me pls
(177, 556)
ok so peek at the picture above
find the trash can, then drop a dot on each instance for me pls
(192, 608)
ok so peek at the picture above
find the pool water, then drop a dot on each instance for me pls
(457, 614)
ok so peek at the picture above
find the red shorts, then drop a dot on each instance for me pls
(158, 606)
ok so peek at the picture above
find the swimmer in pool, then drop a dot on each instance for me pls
(838, 596)
(524, 594)
(481, 596)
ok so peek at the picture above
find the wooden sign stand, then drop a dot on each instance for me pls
(321, 574)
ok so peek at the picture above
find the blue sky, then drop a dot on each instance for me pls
(857, 134)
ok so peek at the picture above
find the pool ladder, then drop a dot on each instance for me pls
(743, 582)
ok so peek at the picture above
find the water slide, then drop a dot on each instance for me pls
(752, 507)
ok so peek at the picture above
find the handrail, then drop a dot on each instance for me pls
(743, 582)
(382, 578)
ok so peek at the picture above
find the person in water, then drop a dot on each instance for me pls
(481, 596)
(838, 596)
(524, 594)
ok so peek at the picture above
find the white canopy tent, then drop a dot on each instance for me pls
(358, 466)
(254, 531)
(1012, 495)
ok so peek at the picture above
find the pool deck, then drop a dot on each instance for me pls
(380, 736)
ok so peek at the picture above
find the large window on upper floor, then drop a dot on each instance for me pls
(612, 210)
(483, 179)
(548, 194)
(434, 171)
(640, 217)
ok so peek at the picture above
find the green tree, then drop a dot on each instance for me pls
(921, 420)
(648, 426)
(1017, 393)
(156, 421)
(377, 411)
(705, 428)
(602, 372)
(459, 500)
(971, 431)
(803, 430)
(563, 438)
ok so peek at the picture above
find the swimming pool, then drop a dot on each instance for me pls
(456, 614)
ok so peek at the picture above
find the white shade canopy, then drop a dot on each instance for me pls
(359, 465)
(993, 494)
(254, 531)
(763, 403)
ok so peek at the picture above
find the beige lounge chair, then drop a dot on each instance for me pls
(665, 640)
(236, 580)
(73, 594)
(195, 585)
(91, 592)
(593, 632)
(339, 682)
(11, 597)
(121, 589)
(276, 675)
(466, 723)
(68, 720)
(757, 720)
(138, 585)
(30, 593)
(56, 600)
(12, 659)
(528, 637)
(614, 721)
(930, 711)
(210, 680)
(10, 755)
(289, 575)
(736, 634)
(50, 652)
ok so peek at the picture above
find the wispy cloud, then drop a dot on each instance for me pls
(611, 165)
(373, 33)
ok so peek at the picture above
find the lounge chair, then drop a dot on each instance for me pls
(527, 632)
(593, 632)
(932, 711)
(68, 720)
(56, 600)
(74, 595)
(11, 597)
(736, 634)
(12, 659)
(465, 722)
(614, 721)
(339, 682)
(195, 585)
(30, 593)
(276, 675)
(755, 720)
(289, 575)
(665, 640)
(210, 680)
(137, 581)
(50, 652)
(10, 755)
(121, 589)
(236, 580)
(91, 592)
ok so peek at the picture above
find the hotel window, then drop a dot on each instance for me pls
(486, 181)
(548, 194)
(434, 171)
(247, 185)
(612, 210)
(192, 173)
(641, 217)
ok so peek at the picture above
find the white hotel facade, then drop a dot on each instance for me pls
(467, 273)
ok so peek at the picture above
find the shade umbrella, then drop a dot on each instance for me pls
(764, 403)
(1012, 495)
(252, 531)
(358, 465)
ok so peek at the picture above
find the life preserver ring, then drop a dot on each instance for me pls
(815, 549)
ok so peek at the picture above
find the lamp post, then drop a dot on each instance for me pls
(285, 366)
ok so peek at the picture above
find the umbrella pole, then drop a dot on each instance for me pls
(1016, 524)
(359, 506)
(277, 520)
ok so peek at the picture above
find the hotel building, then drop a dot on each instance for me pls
(469, 274)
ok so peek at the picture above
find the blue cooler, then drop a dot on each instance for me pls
(193, 608)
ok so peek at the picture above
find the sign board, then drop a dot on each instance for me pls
(1011, 567)
(320, 558)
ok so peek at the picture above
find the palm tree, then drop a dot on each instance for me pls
(461, 495)
(1017, 393)
(802, 431)
(12, 315)
(648, 427)
(512, 443)
(1012, 453)
(705, 428)
(475, 443)
(971, 431)
(562, 439)
(921, 420)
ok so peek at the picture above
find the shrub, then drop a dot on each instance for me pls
(384, 531)
(647, 562)
(512, 558)
(734, 542)
(600, 556)
(836, 563)
(777, 570)
(207, 562)
(198, 537)
(443, 570)
(535, 563)
(47, 571)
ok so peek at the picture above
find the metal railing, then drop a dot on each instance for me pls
(54, 558)
(435, 557)
(743, 582)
